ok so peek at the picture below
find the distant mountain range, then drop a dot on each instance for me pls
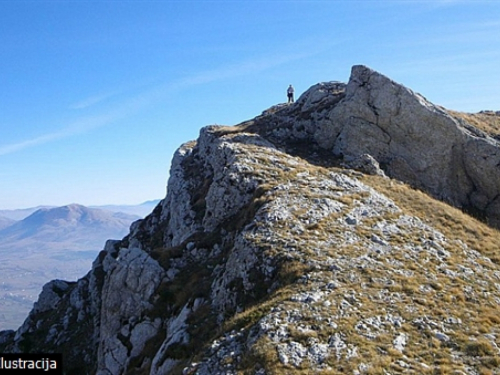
(44, 243)
(139, 209)
(74, 224)
(5, 222)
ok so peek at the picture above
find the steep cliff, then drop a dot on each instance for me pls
(269, 255)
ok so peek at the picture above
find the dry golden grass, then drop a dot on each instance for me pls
(489, 122)
(450, 221)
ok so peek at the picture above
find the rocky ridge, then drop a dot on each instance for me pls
(270, 255)
(411, 139)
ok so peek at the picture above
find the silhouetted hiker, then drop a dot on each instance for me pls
(289, 93)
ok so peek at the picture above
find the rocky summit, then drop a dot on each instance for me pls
(330, 236)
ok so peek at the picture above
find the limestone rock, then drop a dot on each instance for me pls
(50, 296)
(267, 253)
(366, 164)
(130, 281)
(416, 141)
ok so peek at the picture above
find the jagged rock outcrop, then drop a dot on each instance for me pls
(263, 258)
(412, 139)
(417, 142)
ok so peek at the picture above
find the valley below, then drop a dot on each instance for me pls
(53, 243)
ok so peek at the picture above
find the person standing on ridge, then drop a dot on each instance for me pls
(289, 93)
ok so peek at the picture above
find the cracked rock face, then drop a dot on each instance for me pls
(264, 257)
(130, 281)
(416, 142)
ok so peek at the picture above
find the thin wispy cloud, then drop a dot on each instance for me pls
(240, 69)
(148, 97)
(449, 2)
(435, 4)
(80, 126)
(14, 147)
(93, 100)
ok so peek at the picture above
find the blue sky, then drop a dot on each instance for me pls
(95, 96)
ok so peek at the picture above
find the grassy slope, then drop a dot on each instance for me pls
(416, 289)
(436, 274)
(425, 292)
(489, 122)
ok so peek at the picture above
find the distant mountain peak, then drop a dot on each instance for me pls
(57, 242)
(72, 215)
